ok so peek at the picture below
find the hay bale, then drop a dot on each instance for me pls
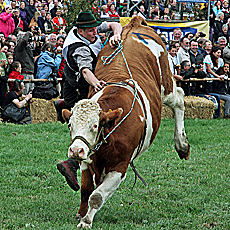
(198, 107)
(43, 110)
(195, 107)
(222, 107)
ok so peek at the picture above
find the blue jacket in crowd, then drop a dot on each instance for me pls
(46, 63)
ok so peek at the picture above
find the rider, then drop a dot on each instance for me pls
(80, 51)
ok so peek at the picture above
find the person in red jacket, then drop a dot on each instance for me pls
(59, 22)
(16, 73)
(112, 12)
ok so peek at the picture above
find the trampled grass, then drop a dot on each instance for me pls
(193, 194)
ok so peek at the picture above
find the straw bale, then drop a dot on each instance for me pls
(43, 110)
(195, 107)
(222, 107)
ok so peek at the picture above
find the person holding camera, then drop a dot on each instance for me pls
(24, 54)
(48, 61)
(14, 97)
(173, 62)
(188, 72)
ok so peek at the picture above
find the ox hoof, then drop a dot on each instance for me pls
(82, 224)
(78, 217)
(184, 154)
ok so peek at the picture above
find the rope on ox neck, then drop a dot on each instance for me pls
(106, 61)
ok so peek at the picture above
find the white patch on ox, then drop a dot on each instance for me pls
(97, 95)
(155, 48)
(141, 118)
(83, 166)
(149, 119)
(101, 194)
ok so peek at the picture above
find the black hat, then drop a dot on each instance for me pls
(86, 19)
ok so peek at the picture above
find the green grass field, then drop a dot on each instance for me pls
(193, 194)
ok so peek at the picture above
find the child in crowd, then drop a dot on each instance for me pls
(10, 60)
(16, 73)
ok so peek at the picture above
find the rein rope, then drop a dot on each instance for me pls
(106, 61)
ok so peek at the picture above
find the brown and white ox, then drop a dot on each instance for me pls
(103, 171)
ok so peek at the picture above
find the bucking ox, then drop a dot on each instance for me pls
(120, 122)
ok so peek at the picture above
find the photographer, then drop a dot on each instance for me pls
(12, 99)
(25, 51)
(48, 63)
(187, 72)
(24, 54)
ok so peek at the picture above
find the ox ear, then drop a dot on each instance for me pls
(66, 114)
(111, 118)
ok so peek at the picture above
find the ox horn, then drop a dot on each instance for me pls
(66, 114)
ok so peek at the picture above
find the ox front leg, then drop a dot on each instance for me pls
(87, 187)
(176, 102)
(99, 197)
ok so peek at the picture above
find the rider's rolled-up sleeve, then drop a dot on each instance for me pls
(83, 58)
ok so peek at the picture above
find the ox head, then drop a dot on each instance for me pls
(84, 121)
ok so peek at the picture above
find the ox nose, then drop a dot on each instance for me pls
(76, 152)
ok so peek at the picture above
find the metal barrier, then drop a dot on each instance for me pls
(34, 80)
(60, 79)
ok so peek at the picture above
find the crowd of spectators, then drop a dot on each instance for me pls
(194, 57)
(22, 56)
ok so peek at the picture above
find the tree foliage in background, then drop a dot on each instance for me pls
(73, 9)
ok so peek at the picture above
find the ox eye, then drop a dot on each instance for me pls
(69, 126)
(95, 126)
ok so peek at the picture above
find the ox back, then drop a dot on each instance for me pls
(147, 59)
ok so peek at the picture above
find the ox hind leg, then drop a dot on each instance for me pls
(99, 196)
(175, 101)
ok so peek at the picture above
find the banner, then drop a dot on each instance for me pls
(168, 27)
(194, 1)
